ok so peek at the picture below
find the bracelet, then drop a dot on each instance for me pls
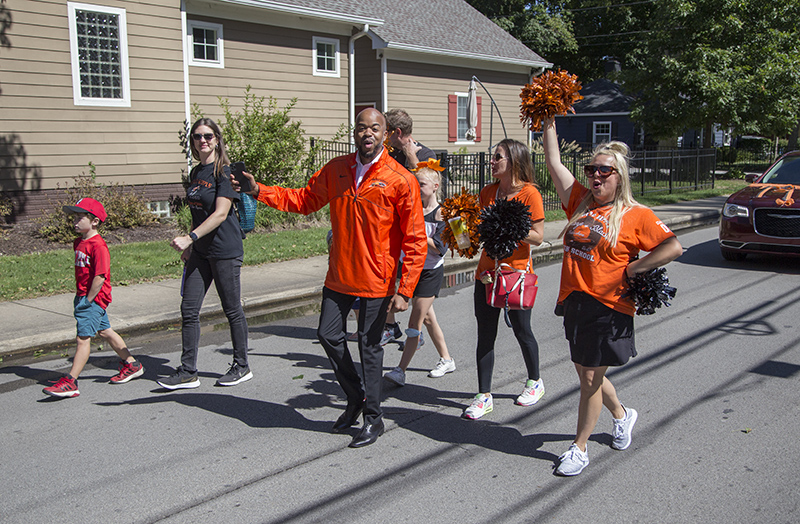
(193, 236)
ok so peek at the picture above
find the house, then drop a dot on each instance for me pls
(112, 83)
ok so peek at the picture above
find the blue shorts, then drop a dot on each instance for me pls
(90, 317)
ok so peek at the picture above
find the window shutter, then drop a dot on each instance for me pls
(478, 129)
(452, 118)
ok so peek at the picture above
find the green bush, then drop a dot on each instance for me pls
(124, 207)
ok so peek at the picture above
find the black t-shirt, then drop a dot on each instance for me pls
(422, 155)
(204, 188)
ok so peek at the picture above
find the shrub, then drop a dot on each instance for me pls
(125, 208)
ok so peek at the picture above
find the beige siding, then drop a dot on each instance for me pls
(48, 139)
(422, 89)
(276, 62)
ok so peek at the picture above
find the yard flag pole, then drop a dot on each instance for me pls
(473, 93)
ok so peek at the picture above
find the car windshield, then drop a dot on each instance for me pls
(786, 171)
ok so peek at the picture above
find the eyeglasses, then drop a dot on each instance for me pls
(602, 171)
(498, 157)
(208, 136)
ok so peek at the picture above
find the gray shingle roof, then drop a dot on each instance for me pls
(447, 27)
(603, 96)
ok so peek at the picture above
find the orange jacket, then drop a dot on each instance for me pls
(370, 224)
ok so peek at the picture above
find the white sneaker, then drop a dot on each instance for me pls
(443, 367)
(396, 376)
(573, 461)
(479, 407)
(533, 391)
(623, 428)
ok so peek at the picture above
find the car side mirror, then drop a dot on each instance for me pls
(750, 178)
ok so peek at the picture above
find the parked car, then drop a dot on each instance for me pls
(764, 217)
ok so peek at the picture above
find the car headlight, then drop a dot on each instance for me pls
(732, 211)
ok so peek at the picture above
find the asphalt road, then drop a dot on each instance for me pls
(715, 384)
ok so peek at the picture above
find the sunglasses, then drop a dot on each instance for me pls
(498, 157)
(208, 136)
(602, 171)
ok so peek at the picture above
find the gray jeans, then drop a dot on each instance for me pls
(199, 272)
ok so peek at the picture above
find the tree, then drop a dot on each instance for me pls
(729, 62)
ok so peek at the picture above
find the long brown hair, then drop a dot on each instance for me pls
(221, 152)
(519, 162)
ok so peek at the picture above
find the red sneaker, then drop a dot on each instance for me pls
(128, 371)
(65, 387)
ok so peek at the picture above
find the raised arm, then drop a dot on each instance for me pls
(562, 177)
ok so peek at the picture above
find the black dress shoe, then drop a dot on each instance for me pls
(368, 434)
(348, 418)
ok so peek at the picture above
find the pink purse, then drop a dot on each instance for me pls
(511, 288)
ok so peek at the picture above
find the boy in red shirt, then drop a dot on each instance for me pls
(93, 284)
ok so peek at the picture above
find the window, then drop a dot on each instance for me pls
(457, 119)
(325, 55)
(99, 53)
(205, 44)
(601, 133)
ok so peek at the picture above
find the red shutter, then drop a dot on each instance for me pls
(452, 118)
(478, 129)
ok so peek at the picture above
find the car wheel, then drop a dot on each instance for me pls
(733, 256)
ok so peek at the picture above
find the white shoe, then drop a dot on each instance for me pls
(442, 368)
(396, 376)
(533, 391)
(573, 461)
(623, 428)
(479, 407)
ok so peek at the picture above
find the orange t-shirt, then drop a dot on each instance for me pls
(529, 196)
(592, 265)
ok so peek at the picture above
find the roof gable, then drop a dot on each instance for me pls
(603, 96)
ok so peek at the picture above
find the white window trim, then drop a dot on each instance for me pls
(220, 62)
(594, 131)
(458, 141)
(333, 41)
(79, 100)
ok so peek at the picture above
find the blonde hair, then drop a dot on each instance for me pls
(623, 198)
(433, 177)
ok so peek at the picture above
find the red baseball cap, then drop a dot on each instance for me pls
(88, 205)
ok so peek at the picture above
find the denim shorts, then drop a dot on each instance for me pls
(90, 317)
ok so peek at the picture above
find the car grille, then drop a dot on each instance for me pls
(777, 222)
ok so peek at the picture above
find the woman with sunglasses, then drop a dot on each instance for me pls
(513, 172)
(211, 251)
(606, 230)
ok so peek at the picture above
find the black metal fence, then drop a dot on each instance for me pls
(651, 171)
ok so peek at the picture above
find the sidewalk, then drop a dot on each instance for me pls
(40, 323)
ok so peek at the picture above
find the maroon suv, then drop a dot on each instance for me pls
(764, 217)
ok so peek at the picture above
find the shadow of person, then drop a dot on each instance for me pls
(254, 413)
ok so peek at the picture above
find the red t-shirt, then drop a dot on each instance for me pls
(92, 259)
(529, 196)
(591, 264)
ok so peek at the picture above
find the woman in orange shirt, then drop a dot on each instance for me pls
(606, 230)
(513, 171)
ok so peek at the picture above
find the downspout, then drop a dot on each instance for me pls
(351, 66)
(384, 83)
(187, 106)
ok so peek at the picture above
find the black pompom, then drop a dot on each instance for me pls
(649, 290)
(503, 225)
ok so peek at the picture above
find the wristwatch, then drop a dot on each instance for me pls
(193, 236)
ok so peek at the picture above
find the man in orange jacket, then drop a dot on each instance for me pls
(376, 212)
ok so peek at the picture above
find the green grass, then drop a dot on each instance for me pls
(50, 273)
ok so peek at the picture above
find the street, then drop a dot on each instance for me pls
(715, 383)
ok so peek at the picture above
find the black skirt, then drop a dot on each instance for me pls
(598, 335)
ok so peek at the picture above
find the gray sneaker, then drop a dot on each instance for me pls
(623, 428)
(235, 375)
(573, 461)
(396, 376)
(442, 368)
(181, 379)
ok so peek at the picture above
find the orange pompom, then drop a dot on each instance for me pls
(548, 95)
(464, 205)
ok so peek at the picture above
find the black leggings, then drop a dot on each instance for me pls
(487, 317)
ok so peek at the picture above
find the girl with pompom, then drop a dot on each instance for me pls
(513, 172)
(606, 230)
(430, 281)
